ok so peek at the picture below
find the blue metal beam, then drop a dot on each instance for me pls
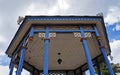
(63, 31)
(18, 48)
(23, 51)
(14, 54)
(107, 61)
(46, 51)
(87, 53)
(37, 31)
(11, 69)
(31, 34)
(103, 51)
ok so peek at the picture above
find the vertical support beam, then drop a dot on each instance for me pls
(11, 68)
(107, 61)
(104, 53)
(87, 53)
(23, 43)
(23, 51)
(46, 45)
(31, 32)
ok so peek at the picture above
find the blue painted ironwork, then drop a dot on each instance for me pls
(11, 69)
(64, 18)
(21, 61)
(23, 51)
(22, 56)
(46, 51)
(104, 53)
(87, 53)
(69, 31)
(18, 48)
(107, 61)
(63, 31)
(14, 54)
(31, 32)
(38, 31)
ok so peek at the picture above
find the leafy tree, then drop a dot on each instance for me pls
(116, 69)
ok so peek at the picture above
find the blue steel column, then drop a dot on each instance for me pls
(22, 56)
(87, 53)
(11, 68)
(31, 32)
(46, 51)
(104, 54)
(21, 61)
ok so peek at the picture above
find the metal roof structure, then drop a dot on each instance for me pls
(59, 44)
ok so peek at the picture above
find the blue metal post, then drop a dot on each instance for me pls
(87, 53)
(11, 68)
(104, 54)
(31, 32)
(21, 61)
(46, 51)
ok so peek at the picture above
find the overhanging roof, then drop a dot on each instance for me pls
(60, 20)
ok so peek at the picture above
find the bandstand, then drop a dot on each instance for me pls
(59, 45)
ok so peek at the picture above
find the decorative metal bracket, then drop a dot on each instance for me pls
(42, 35)
(98, 37)
(25, 47)
(78, 34)
(102, 47)
(51, 35)
(30, 38)
(46, 39)
(81, 39)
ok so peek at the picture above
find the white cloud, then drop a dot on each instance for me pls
(116, 28)
(36, 9)
(115, 48)
(3, 44)
(2, 52)
(24, 72)
(63, 4)
(58, 8)
(2, 39)
(4, 70)
(113, 15)
(33, 9)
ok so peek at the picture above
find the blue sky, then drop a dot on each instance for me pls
(11, 9)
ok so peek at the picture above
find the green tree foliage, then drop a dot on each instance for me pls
(116, 69)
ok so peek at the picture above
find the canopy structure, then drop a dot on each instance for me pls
(54, 45)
